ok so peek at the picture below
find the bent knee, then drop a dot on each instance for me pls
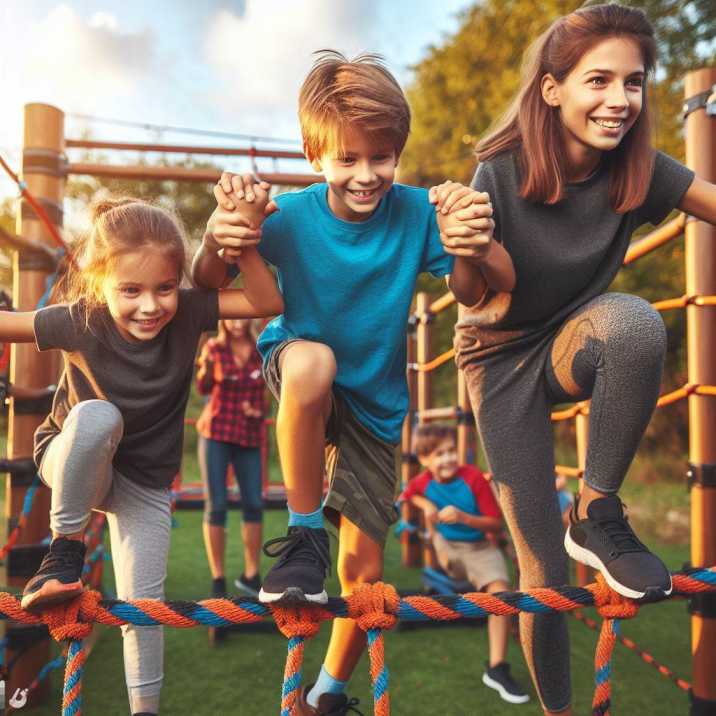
(636, 322)
(307, 372)
(98, 418)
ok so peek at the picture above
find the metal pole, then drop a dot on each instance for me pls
(410, 549)
(701, 340)
(43, 173)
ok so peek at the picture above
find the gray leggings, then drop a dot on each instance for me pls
(611, 349)
(78, 467)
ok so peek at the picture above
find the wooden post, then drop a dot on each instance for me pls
(584, 573)
(42, 171)
(701, 341)
(410, 548)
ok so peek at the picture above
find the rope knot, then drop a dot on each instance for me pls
(374, 606)
(299, 620)
(610, 604)
(73, 619)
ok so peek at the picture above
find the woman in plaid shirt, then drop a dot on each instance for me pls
(231, 422)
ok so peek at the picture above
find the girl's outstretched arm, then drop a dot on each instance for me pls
(700, 200)
(259, 296)
(17, 327)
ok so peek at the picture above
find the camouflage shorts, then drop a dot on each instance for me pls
(362, 470)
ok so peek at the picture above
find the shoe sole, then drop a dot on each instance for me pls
(505, 695)
(50, 594)
(580, 554)
(293, 595)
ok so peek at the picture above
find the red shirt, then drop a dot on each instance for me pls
(4, 357)
(223, 417)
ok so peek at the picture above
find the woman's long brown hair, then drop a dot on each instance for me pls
(533, 129)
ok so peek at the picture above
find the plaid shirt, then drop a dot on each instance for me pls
(223, 417)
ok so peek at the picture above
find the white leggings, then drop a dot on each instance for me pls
(77, 465)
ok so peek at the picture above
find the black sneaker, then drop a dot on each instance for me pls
(606, 541)
(218, 588)
(59, 576)
(252, 586)
(499, 678)
(304, 559)
(328, 705)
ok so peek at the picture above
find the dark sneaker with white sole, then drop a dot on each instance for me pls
(249, 586)
(328, 705)
(606, 541)
(59, 577)
(499, 678)
(298, 576)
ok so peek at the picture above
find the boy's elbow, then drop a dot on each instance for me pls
(273, 307)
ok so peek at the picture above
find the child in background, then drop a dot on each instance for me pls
(348, 254)
(113, 441)
(232, 425)
(572, 174)
(460, 510)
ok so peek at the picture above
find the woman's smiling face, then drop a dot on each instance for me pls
(601, 98)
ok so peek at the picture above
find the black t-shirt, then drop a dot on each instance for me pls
(148, 381)
(564, 254)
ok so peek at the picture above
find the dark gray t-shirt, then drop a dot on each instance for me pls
(564, 254)
(148, 381)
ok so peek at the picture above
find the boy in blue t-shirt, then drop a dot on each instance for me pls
(459, 509)
(347, 254)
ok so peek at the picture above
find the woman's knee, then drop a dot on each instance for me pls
(634, 323)
(307, 372)
(253, 513)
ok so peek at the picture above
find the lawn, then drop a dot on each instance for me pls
(432, 671)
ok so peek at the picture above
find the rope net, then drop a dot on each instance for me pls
(374, 607)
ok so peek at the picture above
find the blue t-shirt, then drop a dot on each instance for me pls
(349, 285)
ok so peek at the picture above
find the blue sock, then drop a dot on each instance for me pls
(314, 520)
(325, 684)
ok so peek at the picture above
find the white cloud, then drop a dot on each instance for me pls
(82, 62)
(262, 57)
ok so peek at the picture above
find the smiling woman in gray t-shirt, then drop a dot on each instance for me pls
(571, 175)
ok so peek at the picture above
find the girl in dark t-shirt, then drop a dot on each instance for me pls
(571, 174)
(113, 441)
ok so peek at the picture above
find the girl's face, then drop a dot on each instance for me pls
(237, 327)
(600, 99)
(142, 293)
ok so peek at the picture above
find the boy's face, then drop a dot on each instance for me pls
(358, 174)
(442, 461)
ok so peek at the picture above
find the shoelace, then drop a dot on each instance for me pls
(621, 534)
(350, 705)
(302, 544)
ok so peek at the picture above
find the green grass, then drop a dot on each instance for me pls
(431, 670)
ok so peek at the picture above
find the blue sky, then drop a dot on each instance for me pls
(233, 66)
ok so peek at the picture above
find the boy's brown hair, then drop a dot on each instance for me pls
(339, 93)
(427, 437)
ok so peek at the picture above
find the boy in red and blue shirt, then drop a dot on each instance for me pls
(460, 510)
